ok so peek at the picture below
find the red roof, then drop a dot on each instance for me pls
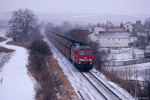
(115, 29)
(127, 23)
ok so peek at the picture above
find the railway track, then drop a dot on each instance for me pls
(94, 84)
(107, 93)
(112, 88)
(83, 95)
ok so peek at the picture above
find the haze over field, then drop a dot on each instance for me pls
(125, 7)
(80, 11)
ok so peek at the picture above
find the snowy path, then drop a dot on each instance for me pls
(16, 83)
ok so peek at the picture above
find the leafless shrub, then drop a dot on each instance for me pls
(114, 76)
(146, 77)
(100, 57)
(78, 35)
(40, 46)
(59, 29)
(48, 84)
(2, 49)
(2, 39)
(38, 62)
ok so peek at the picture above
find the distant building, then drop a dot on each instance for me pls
(142, 38)
(138, 27)
(87, 28)
(114, 40)
(147, 31)
(98, 30)
(109, 24)
(111, 36)
(128, 26)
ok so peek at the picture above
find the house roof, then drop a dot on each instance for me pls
(118, 34)
(109, 24)
(127, 23)
(99, 29)
(115, 29)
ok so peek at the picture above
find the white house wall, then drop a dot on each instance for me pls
(113, 42)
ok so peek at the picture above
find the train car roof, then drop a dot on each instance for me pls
(75, 44)
(73, 41)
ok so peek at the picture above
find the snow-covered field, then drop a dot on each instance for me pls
(131, 71)
(126, 54)
(16, 83)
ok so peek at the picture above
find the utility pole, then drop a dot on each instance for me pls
(135, 84)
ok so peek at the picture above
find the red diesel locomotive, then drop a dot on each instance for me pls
(80, 54)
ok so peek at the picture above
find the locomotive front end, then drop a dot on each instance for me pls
(85, 59)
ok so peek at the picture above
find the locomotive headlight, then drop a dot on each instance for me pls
(79, 62)
(90, 59)
(90, 62)
(81, 59)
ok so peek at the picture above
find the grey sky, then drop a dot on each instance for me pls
(127, 7)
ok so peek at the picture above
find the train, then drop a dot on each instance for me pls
(80, 54)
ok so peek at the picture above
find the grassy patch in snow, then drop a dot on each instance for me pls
(2, 39)
(3, 49)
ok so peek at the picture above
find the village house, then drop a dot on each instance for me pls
(140, 33)
(147, 31)
(142, 40)
(114, 40)
(109, 24)
(114, 37)
(111, 36)
(128, 26)
(98, 30)
(87, 28)
(138, 27)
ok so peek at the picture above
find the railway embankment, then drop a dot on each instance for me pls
(50, 81)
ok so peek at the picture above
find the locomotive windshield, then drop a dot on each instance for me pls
(88, 53)
(82, 53)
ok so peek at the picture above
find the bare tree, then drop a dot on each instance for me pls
(147, 80)
(100, 56)
(22, 23)
(79, 35)
(65, 26)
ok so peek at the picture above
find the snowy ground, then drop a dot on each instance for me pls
(126, 54)
(4, 57)
(114, 87)
(16, 83)
(79, 83)
(131, 71)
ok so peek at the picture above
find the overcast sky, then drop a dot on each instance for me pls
(126, 7)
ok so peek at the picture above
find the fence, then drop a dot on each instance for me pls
(130, 62)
